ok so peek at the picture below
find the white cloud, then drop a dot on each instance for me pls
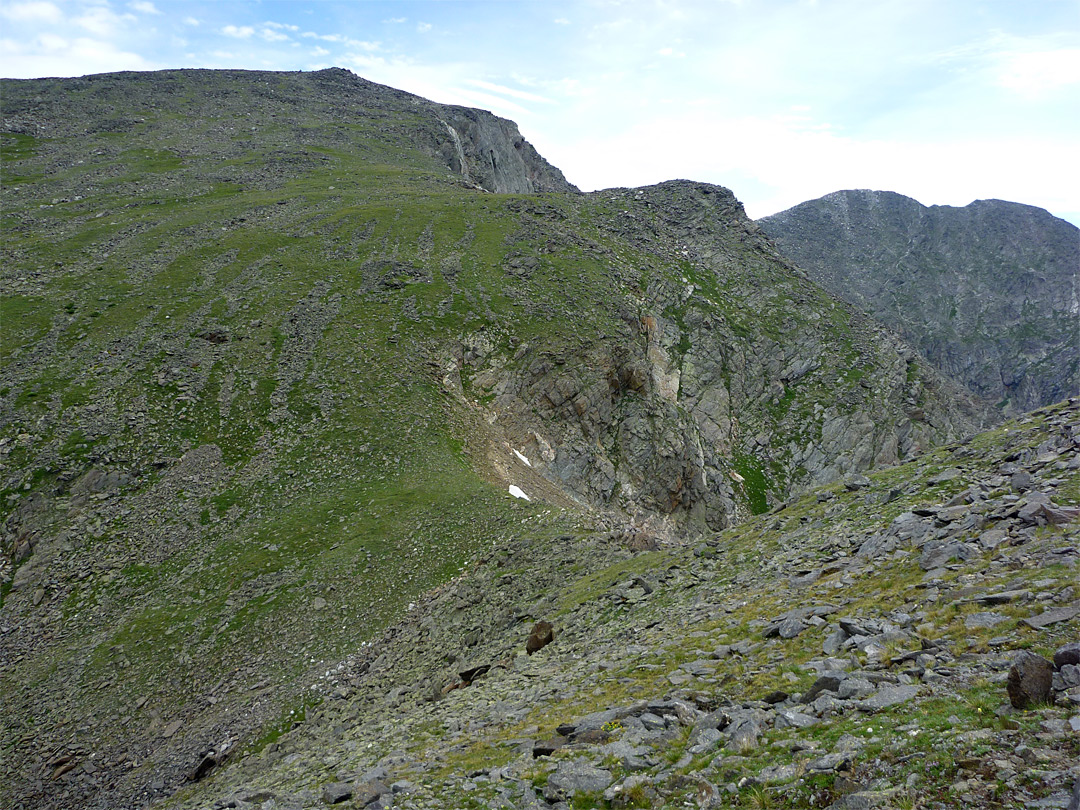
(507, 91)
(396, 20)
(319, 51)
(144, 7)
(270, 35)
(103, 21)
(238, 32)
(561, 21)
(282, 26)
(671, 52)
(193, 22)
(33, 12)
(1035, 73)
(423, 27)
(54, 55)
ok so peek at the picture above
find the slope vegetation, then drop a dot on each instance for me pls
(275, 348)
(850, 649)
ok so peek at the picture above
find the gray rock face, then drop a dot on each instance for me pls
(987, 292)
(490, 152)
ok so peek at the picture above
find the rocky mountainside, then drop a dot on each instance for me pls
(907, 639)
(989, 293)
(281, 351)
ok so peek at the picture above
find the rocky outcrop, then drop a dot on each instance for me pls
(987, 292)
(491, 152)
(726, 382)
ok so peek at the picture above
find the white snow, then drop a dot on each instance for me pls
(522, 457)
(517, 493)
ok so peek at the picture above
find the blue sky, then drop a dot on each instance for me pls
(780, 100)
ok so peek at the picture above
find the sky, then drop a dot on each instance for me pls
(782, 101)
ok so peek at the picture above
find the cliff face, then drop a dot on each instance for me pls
(988, 292)
(722, 380)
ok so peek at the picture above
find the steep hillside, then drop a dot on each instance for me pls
(988, 292)
(851, 649)
(277, 347)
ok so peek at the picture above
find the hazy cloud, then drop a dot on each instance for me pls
(238, 31)
(33, 12)
(103, 21)
(507, 91)
(55, 55)
(144, 7)
(1038, 72)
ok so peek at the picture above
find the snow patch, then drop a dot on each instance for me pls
(517, 493)
(522, 457)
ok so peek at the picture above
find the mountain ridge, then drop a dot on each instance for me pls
(988, 291)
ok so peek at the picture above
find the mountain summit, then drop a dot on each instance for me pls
(988, 292)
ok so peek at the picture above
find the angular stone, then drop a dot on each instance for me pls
(948, 474)
(1070, 676)
(830, 682)
(573, 777)
(790, 719)
(856, 689)
(337, 792)
(1030, 681)
(543, 633)
(888, 696)
(1069, 654)
(977, 621)
(790, 628)
(1049, 617)
(1022, 481)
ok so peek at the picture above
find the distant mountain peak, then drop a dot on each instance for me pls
(986, 291)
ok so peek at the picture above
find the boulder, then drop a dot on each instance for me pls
(1069, 654)
(337, 792)
(1030, 681)
(543, 633)
(572, 777)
